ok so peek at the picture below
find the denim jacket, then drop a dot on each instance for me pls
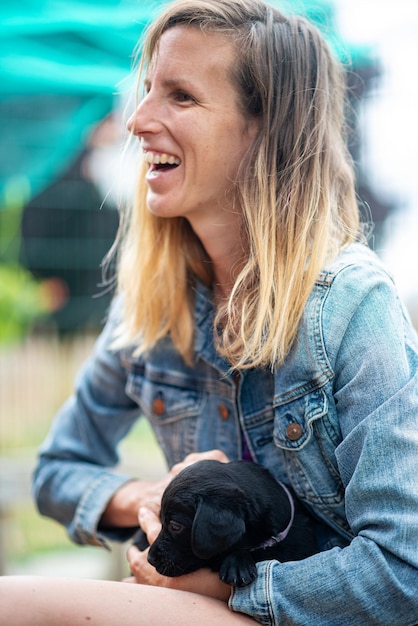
(338, 421)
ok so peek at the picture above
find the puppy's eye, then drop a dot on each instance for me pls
(174, 527)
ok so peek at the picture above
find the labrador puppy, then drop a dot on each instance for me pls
(228, 516)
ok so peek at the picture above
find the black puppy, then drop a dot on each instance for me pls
(228, 516)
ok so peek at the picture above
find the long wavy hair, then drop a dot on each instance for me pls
(295, 186)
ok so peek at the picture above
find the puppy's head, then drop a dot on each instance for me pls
(201, 518)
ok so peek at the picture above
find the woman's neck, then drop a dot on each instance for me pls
(224, 246)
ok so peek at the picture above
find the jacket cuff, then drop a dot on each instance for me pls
(84, 528)
(253, 598)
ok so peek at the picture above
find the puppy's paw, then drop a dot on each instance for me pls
(238, 569)
(140, 540)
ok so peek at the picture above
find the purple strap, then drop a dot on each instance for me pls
(283, 534)
(246, 456)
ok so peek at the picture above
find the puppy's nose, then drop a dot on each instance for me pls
(153, 555)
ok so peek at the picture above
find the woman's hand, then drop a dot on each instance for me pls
(211, 455)
(122, 510)
(204, 581)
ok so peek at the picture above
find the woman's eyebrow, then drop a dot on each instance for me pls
(176, 82)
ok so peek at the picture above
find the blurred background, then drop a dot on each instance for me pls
(65, 76)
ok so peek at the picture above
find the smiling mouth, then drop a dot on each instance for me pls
(160, 161)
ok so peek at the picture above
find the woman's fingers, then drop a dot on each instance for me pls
(211, 455)
(150, 523)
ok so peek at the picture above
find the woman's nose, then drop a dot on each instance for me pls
(143, 119)
(132, 123)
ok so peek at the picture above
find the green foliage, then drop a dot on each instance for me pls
(22, 301)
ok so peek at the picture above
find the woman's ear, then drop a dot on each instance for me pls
(216, 528)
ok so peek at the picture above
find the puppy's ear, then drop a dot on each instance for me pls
(215, 529)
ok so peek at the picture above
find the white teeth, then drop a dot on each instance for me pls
(156, 159)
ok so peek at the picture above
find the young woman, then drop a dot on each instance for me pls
(250, 321)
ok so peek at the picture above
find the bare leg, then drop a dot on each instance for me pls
(69, 602)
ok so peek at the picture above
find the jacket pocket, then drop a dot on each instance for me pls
(293, 421)
(307, 437)
(172, 408)
(163, 401)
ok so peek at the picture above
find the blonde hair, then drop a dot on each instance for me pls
(295, 187)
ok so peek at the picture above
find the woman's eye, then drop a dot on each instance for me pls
(175, 527)
(182, 96)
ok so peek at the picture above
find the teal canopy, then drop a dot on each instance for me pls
(62, 64)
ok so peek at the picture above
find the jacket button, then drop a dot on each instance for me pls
(294, 432)
(223, 412)
(158, 406)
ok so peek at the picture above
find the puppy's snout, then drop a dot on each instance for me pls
(159, 559)
(153, 555)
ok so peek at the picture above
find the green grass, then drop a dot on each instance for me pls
(31, 535)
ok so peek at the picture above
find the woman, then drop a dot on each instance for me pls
(252, 322)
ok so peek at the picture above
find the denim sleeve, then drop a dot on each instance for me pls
(374, 580)
(72, 482)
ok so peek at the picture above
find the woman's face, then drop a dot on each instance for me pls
(192, 130)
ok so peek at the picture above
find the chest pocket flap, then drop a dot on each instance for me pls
(293, 420)
(164, 394)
